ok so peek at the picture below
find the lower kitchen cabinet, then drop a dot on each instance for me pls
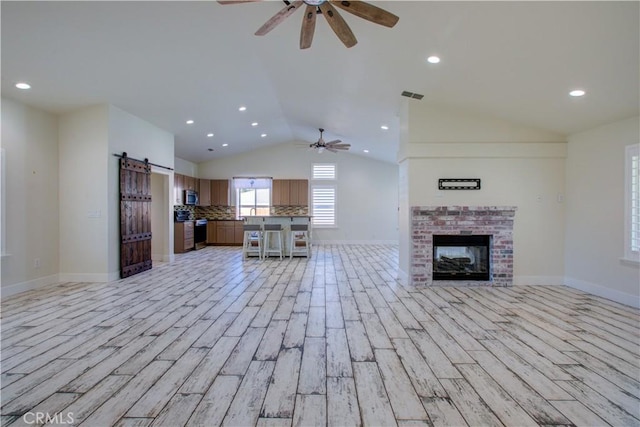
(238, 232)
(211, 232)
(183, 237)
(229, 233)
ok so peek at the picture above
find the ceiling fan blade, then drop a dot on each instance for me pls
(278, 18)
(341, 146)
(237, 1)
(335, 141)
(308, 27)
(331, 149)
(338, 24)
(368, 11)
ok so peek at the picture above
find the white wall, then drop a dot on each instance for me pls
(84, 209)
(518, 166)
(185, 167)
(367, 189)
(30, 144)
(140, 140)
(62, 180)
(595, 213)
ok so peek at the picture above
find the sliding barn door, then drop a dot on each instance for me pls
(135, 216)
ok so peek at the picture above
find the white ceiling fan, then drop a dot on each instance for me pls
(333, 146)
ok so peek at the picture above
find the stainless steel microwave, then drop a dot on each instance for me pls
(190, 197)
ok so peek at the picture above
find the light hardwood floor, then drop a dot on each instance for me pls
(331, 340)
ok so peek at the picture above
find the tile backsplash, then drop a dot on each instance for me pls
(229, 212)
(216, 212)
(289, 210)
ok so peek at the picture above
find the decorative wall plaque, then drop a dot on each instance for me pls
(458, 184)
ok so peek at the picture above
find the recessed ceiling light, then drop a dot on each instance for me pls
(242, 108)
(209, 135)
(366, 151)
(577, 92)
(384, 127)
(263, 135)
(189, 122)
(433, 59)
(23, 85)
(254, 124)
(225, 145)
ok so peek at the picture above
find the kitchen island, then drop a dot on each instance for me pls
(285, 221)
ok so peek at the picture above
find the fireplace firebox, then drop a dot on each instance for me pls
(461, 257)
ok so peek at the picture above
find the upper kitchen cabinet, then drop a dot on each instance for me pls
(290, 192)
(219, 192)
(279, 192)
(178, 188)
(204, 192)
(190, 183)
(298, 192)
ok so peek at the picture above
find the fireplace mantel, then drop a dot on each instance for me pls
(496, 221)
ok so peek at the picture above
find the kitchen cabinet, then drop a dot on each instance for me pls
(184, 182)
(278, 189)
(204, 192)
(238, 232)
(190, 183)
(298, 192)
(183, 237)
(290, 192)
(178, 188)
(211, 232)
(219, 192)
(229, 233)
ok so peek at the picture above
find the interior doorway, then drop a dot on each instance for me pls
(161, 241)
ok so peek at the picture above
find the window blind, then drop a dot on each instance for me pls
(323, 206)
(324, 171)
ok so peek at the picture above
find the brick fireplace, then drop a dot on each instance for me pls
(493, 221)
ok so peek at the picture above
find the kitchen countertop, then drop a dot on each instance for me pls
(279, 216)
(257, 216)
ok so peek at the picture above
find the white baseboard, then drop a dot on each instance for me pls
(40, 282)
(602, 291)
(162, 257)
(538, 280)
(403, 277)
(354, 242)
(88, 277)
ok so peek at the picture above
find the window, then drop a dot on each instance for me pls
(324, 171)
(323, 205)
(323, 196)
(632, 203)
(253, 196)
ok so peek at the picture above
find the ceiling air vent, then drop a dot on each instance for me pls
(412, 95)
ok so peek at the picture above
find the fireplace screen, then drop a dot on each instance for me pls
(461, 257)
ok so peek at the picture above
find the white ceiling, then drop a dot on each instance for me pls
(167, 62)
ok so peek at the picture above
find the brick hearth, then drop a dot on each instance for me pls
(496, 221)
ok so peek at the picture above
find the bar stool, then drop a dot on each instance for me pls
(252, 241)
(299, 240)
(272, 230)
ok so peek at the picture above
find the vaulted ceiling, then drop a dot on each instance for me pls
(167, 62)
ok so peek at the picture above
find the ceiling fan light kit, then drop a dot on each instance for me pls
(339, 26)
(332, 146)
